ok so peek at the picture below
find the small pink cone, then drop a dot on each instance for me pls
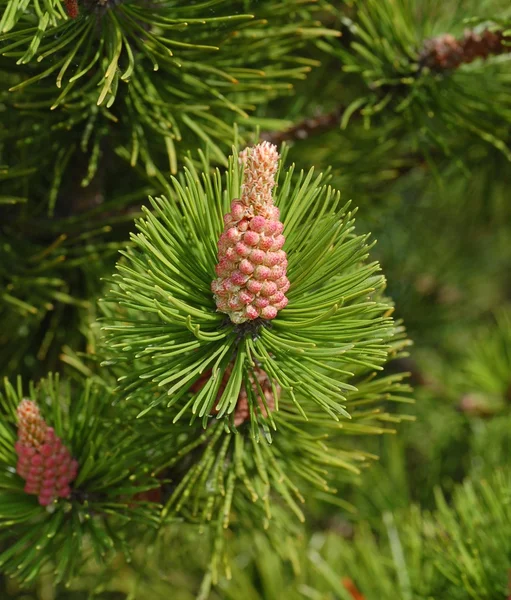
(44, 463)
(252, 265)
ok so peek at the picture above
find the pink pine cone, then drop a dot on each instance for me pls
(43, 461)
(251, 271)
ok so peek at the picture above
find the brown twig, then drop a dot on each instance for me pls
(445, 52)
(305, 128)
(441, 53)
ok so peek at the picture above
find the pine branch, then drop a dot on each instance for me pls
(112, 470)
(170, 78)
(445, 52)
(441, 54)
(194, 322)
(252, 395)
(306, 128)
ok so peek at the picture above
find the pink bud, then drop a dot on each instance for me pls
(250, 259)
(233, 235)
(270, 312)
(64, 492)
(277, 297)
(230, 254)
(252, 312)
(265, 243)
(237, 210)
(62, 468)
(63, 453)
(278, 242)
(217, 287)
(246, 297)
(251, 238)
(261, 302)
(62, 481)
(275, 213)
(235, 303)
(36, 460)
(261, 273)
(283, 284)
(242, 249)
(246, 267)
(45, 500)
(224, 240)
(270, 227)
(257, 257)
(231, 287)
(46, 450)
(282, 304)
(222, 304)
(254, 286)
(33, 478)
(269, 288)
(42, 455)
(257, 224)
(239, 278)
(285, 287)
(271, 259)
(221, 269)
(277, 273)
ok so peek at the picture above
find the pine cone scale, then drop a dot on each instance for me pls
(251, 271)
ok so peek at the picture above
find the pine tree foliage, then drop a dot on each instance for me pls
(487, 366)
(378, 87)
(186, 73)
(419, 555)
(461, 428)
(331, 289)
(138, 78)
(386, 54)
(444, 554)
(113, 469)
(43, 285)
(250, 478)
(163, 334)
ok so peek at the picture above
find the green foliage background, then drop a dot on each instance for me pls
(89, 129)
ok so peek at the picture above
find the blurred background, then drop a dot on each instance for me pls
(407, 104)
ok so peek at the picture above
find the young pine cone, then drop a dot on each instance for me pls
(43, 461)
(445, 52)
(252, 265)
